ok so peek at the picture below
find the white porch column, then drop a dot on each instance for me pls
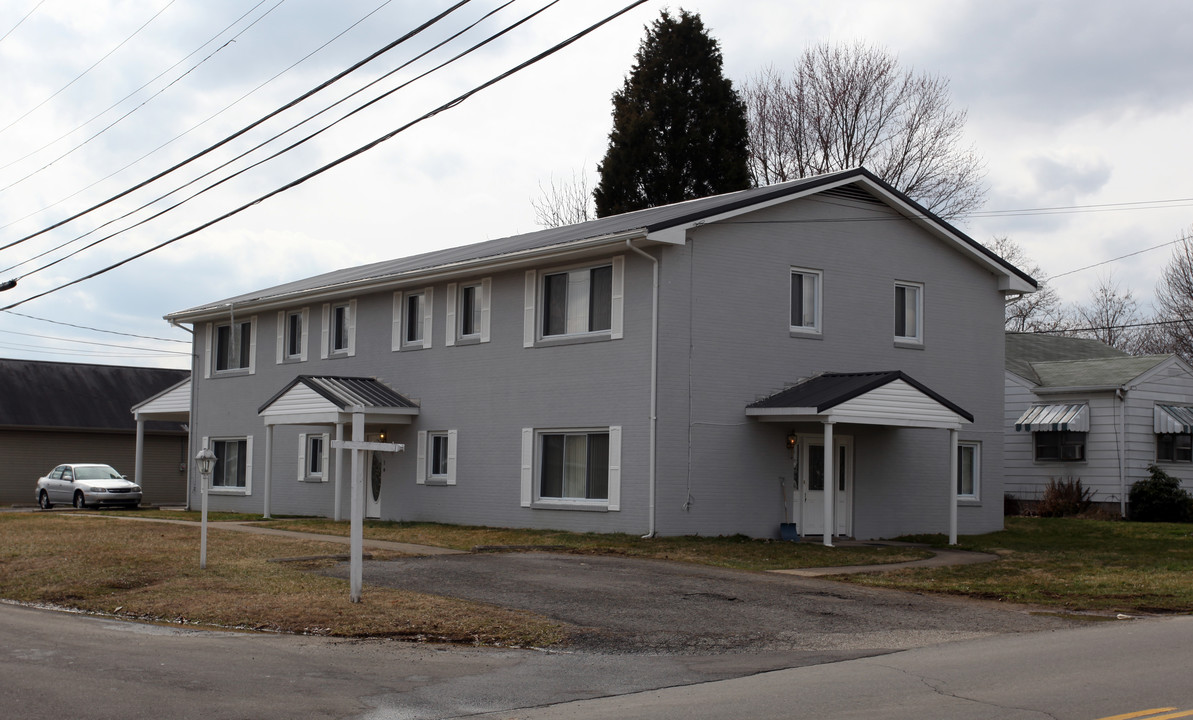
(268, 470)
(356, 530)
(830, 484)
(139, 461)
(953, 487)
(339, 478)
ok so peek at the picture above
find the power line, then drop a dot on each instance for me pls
(78, 353)
(21, 21)
(1122, 257)
(344, 158)
(93, 342)
(288, 148)
(31, 110)
(326, 83)
(95, 329)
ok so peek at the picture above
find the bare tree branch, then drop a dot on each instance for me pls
(564, 202)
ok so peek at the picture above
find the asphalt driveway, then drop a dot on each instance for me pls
(622, 605)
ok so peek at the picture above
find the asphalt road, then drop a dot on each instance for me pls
(631, 606)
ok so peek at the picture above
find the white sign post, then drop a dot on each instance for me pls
(206, 464)
(356, 531)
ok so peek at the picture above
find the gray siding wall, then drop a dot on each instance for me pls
(487, 392)
(1170, 385)
(726, 342)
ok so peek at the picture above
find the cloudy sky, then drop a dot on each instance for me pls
(1081, 110)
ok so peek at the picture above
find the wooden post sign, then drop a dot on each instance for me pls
(356, 531)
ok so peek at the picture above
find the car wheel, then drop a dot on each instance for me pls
(44, 500)
(80, 502)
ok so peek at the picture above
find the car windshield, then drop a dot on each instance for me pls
(96, 472)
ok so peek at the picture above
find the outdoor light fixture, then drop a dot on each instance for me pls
(205, 462)
(791, 439)
(383, 435)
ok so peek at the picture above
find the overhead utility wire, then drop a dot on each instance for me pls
(275, 137)
(211, 117)
(21, 21)
(321, 86)
(344, 158)
(31, 110)
(94, 342)
(1122, 257)
(95, 329)
(116, 104)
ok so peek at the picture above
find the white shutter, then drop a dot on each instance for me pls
(528, 329)
(281, 336)
(351, 328)
(252, 345)
(210, 352)
(486, 295)
(450, 335)
(420, 469)
(395, 339)
(615, 467)
(618, 302)
(527, 466)
(306, 333)
(302, 456)
(451, 457)
(323, 458)
(428, 326)
(248, 465)
(325, 343)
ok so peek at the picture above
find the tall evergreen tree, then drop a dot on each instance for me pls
(679, 127)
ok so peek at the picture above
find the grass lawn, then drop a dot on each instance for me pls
(1068, 564)
(151, 571)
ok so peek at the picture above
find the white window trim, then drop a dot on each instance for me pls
(977, 470)
(326, 350)
(918, 338)
(532, 331)
(209, 369)
(453, 327)
(531, 447)
(398, 340)
(248, 466)
(423, 474)
(816, 328)
(284, 336)
(304, 475)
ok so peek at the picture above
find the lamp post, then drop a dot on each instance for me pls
(206, 463)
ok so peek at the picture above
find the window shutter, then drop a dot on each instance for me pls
(451, 457)
(420, 469)
(428, 326)
(527, 463)
(450, 335)
(248, 465)
(252, 345)
(528, 326)
(486, 295)
(209, 353)
(395, 339)
(323, 458)
(281, 336)
(325, 343)
(306, 333)
(618, 302)
(615, 468)
(351, 328)
(302, 456)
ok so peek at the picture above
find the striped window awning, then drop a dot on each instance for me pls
(1045, 418)
(1173, 419)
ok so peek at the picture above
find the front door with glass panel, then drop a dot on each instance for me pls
(374, 464)
(809, 491)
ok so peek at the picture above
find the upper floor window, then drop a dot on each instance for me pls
(1060, 446)
(412, 316)
(292, 335)
(415, 309)
(468, 312)
(805, 300)
(232, 345)
(969, 470)
(1174, 447)
(909, 312)
(584, 303)
(339, 329)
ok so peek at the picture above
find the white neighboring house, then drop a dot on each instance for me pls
(1077, 408)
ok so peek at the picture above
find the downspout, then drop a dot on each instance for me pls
(190, 425)
(1121, 445)
(654, 377)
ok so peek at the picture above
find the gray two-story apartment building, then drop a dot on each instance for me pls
(675, 370)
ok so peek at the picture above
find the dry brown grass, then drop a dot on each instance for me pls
(151, 571)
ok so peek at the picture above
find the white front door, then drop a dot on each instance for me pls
(809, 492)
(374, 464)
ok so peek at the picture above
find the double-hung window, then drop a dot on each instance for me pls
(436, 457)
(233, 464)
(415, 310)
(1174, 447)
(312, 457)
(1060, 446)
(468, 312)
(339, 329)
(969, 470)
(577, 301)
(805, 301)
(412, 320)
(578, 469)
(232, 346)
(292, 336)
(909, 312)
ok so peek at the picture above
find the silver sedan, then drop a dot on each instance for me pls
(84, 484)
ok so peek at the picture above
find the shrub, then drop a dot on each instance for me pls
(1064, 498)
(1160, 498)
